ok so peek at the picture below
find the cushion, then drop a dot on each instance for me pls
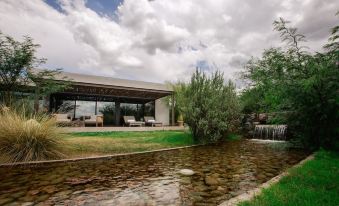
(62, 116)
(131, 120)
(151, 120)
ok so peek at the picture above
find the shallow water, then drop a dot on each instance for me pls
(221, 172)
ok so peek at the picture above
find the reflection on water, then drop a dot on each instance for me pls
(221, 172)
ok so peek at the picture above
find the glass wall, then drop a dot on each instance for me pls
(127, 109)
(149, 109)
(84, 108)
(107, 109)
(66, 107)
(78, 108)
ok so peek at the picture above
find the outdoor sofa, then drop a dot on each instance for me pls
(62, 119)
(97, 120)
(130, 121)
(150, 121)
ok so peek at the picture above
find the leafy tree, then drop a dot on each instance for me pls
(210, 107)
(304, 84)
(178, 88)
(45, 83)
(17, 60)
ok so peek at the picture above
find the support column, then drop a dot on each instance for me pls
(172, 111)
(117, 113)
(36, 99)
(47, 103)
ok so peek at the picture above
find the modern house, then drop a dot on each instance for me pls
(111, 97)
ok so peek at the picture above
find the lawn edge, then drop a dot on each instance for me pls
(249, 195)
(94, 157)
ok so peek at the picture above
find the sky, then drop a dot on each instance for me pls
(160, 40)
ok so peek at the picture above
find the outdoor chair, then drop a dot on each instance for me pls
(62, 119)
(130, 121)
(97, 120)
(150, 121)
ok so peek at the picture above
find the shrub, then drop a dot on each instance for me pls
(210, 107)
(26, 137)
(301, 83)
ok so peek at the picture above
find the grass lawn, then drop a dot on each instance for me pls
(314, 183)
(87, 144)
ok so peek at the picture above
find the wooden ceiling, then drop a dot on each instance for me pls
(112, 93)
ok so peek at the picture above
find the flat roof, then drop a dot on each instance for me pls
(110, 81)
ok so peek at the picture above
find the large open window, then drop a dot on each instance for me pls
(107, 109)
(84, 108)
(78, 106)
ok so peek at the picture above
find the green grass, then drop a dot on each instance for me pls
(314, 183)
(85, 144)
(101, 143)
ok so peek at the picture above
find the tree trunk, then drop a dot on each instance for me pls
(36, 99)
(7, 98)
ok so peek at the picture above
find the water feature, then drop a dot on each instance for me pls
(272, 132)
(220, 172)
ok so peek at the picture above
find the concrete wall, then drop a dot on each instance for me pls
(162, 111)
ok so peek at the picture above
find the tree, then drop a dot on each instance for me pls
(304, 84)
(45, 83)
(178, 88)
(17, 60)
(210, 107)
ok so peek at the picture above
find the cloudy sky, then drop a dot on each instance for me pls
(161, 39)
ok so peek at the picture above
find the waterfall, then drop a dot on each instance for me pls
(271, 132)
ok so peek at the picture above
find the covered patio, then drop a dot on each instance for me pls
(111, 98)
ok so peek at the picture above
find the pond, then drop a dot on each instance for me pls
(221, 172)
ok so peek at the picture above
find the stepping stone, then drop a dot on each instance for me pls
(186, 172)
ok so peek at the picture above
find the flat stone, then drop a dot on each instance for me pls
(6, 201)
(33, 192)
(186, 172)
(209, 180)
(27, 204)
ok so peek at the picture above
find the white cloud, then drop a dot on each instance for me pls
(160, 40)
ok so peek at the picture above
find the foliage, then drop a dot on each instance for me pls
(314, 183)
(252, 101)
(17, 60)
(278, 118)
(305, 85)
(28, 137)
(210, 107)
(109, 113)
(45, 83)
(178, 88)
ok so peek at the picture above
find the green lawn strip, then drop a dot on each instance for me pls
(121, 142)
(101, 143)
(233, 137)
(314, 183)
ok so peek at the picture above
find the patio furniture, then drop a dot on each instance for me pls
(130, 121)
(150, 121)
(63, 119)
(94, 120)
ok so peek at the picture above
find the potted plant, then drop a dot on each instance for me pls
(180, 120)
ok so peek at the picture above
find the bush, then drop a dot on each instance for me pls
(210, 107)
(305, 85)
(28, 137)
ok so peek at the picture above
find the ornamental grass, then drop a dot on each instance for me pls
(28, 137)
